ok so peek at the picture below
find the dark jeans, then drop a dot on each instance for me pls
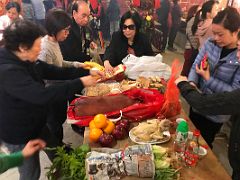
(57, 115)
(207, 127)
(172, 35)
(164, 29)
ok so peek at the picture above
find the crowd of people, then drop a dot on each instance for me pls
(212, 91)
(41, 68)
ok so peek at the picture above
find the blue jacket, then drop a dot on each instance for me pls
(225, 73)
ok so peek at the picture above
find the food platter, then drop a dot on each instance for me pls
(166, 138)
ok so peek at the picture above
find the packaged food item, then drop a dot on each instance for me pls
(118, 73)
(104, 166)
(139, 161)
(108, 164)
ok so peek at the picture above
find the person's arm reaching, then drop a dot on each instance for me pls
(211, 104)
(8, 161)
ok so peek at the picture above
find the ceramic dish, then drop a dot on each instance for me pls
(166, 138)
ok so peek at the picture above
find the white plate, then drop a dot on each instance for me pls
(160, 141)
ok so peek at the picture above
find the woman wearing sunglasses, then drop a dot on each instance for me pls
(127, 41)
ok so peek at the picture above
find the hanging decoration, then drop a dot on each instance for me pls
(136, 3)
(157, 4)
(94, 3)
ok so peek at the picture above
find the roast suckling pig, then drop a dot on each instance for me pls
(91, 106)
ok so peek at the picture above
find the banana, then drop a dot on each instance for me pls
(94, 65)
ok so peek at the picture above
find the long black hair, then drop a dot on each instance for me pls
(202, 14)
(191, 12)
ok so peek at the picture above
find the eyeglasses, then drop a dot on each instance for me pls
(130, 27)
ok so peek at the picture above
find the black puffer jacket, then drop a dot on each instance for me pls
(227, 103)
(24, 99)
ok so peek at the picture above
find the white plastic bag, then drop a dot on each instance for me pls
(146, 66)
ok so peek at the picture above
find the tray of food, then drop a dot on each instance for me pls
(151, 132)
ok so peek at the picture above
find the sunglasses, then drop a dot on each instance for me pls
(130, 27)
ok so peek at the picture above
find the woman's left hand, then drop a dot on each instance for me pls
(204, 73)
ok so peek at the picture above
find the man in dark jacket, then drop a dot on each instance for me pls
(162, 14)
(76, 46)
(176, 13)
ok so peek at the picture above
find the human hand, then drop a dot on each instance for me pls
(204, 73)
(180, 79)
(33, 146)
(93, 45)
(97, 74)
(79, 65)
(90, 80)
(108, 68)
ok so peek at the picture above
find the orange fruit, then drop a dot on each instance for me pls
(109, 128)
(100, 121)
(94, 134)
(92, 125)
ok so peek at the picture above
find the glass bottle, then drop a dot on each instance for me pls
(191, 153)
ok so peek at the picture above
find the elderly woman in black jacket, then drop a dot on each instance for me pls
(24, 99)
(127, 41)
(218, 104)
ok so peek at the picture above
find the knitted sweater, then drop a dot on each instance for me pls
(51, 53)
(192, 40)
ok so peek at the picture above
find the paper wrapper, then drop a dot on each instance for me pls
(137, 160)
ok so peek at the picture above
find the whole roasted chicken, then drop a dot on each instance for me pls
(151, 130)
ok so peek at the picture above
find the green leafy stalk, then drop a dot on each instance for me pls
(68, 165)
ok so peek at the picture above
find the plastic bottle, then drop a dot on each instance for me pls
(179, 144)
(191, 153)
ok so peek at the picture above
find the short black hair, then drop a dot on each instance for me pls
(134, 16)
(76, 4)
(229, 18)
(21, 32)
(13, 5)
(56, 20)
